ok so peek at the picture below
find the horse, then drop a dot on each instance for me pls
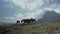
(25, 20)
(18, 21)
(32, 20)
(28, 20)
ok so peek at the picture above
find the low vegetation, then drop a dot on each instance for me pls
(45, 28)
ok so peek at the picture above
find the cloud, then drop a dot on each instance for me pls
(20, 16)
(57, 10)
(38, 13)
(29, 8)
(27, 4)
(9, 18)
(15, 17)
(55, 7)
(33, 4)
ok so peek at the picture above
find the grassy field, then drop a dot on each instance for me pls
(45, 28)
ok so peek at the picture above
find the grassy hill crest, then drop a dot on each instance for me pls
(43, 28)
(46, 28)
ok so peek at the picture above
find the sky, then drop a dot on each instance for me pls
(12, 10)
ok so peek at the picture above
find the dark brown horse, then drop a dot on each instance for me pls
(28, 20)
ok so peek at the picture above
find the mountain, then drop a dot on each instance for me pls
(50, 16)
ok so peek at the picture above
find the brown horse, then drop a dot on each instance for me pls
(28, 20)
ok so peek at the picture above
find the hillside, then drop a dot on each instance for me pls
(47, 28)
(50, 16)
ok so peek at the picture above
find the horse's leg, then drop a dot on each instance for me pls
(24, 22)
(32, 21)
(28, 22)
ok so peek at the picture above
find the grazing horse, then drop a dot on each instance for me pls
(25, 20)
(28, 20)
(17, 21)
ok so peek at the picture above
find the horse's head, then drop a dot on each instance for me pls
(33, 19)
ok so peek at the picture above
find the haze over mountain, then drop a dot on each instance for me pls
(50, 16)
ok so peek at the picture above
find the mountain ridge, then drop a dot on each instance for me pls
(50, 16)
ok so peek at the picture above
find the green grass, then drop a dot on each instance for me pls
(46, 28)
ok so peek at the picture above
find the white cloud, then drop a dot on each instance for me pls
(55, 7)
(57, 10)
(36, 14)
(25, 16)
(19, 3)
(48, 8)
(19, 16)
(9, 18)
(33, 4)
(28, 4)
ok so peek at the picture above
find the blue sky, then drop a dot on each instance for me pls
(12, 10)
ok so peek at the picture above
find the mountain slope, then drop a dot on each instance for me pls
(50, 16)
